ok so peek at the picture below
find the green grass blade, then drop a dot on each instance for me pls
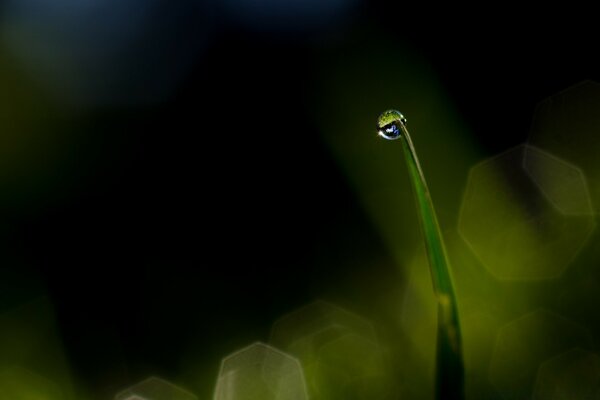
(450, 368)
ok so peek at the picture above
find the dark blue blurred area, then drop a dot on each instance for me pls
(291, 15)
(107, 52)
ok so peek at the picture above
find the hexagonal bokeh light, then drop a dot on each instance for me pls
(574, 374)
(260, 372)
(154, 389)
(526, 214)
(561, 183)
(525, 343)
(338, 350)
(567, 125)
(315, 318)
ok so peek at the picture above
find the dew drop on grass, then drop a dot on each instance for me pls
(389, 124)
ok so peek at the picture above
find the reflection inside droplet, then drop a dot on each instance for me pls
(389, 124)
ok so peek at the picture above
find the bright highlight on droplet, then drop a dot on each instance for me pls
(389, 124)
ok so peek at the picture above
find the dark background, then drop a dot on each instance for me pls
(199, 218)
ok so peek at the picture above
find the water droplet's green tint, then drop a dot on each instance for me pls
(389, 124)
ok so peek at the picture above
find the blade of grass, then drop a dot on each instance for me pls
(449, 363)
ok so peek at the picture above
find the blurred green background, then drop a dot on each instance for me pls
(180, 181)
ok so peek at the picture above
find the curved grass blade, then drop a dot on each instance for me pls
(449, 367)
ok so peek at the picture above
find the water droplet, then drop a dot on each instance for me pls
(389, 124)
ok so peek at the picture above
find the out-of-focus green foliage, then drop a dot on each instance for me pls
(32, 363)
